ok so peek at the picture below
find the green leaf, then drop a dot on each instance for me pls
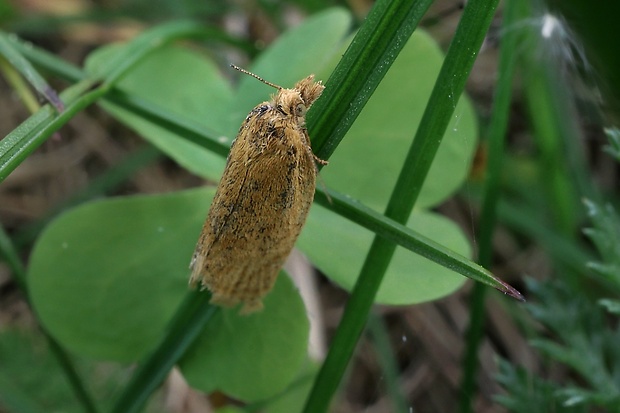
(378, 140)
(176, 71)
(21, 64)
(192, 89)
(253, 357)
(367, 162)
(106, 277)
(338, 247)
(29, 390)
(296, 54)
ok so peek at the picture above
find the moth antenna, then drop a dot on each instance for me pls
(256, 77)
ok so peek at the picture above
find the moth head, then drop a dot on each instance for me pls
(293, 102)
(290, 103)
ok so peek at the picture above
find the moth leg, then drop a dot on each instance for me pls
(319, 160)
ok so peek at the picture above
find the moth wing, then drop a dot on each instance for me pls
(231, 191)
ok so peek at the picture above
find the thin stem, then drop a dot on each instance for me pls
(189, 321)
(496, 142)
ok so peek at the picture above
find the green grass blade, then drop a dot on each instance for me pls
(19, 85)
(189, 321)
(28, 136)
(387, 360)
(35, 130)
(496, 139)
(47, 60)
(461, 55)
(21, 64)
(385, 31)
(407, 238)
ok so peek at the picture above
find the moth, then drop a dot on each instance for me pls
(261, 202)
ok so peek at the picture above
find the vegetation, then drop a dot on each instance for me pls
(103, 267)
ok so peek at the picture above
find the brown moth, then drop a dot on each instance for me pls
(262, 200)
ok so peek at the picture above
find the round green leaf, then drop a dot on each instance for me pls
(254, 357)
(338, 248)
(293, 399)
(187, 85)
(367, 162)
(106, 277)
